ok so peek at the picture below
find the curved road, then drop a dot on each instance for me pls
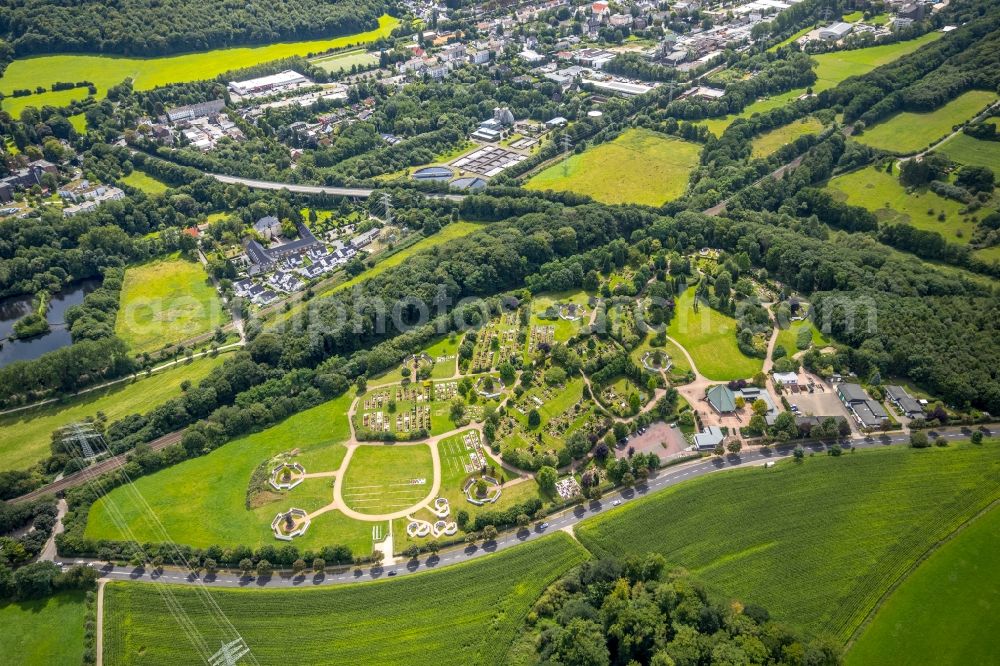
(563, 520)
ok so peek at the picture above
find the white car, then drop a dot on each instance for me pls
(616, 503)
(543, 526)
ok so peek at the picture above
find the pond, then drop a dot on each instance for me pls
(15, 307)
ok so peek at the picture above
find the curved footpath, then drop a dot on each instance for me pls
(563, 520)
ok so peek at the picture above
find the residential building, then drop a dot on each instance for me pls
(867, 412)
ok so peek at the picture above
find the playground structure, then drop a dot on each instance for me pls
(290, 524)
(287, 475)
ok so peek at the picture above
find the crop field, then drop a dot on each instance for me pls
(710, 337)
(831, 69)
(640, 166)
(143, 181)
(43, 631)
(941, 608)
(202, 501)
(25, 436)
(148, 73)
(882, 194)
(769, 142)
(388, 478)
(340, 62)
(906, 132)
(465, 614)
(964, 149)
(817, 543)
(166, 301)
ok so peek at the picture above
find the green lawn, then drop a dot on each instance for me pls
(166, 301)
(964, 149)
(945, 609)
(817, 543)
(202, 501)
(882, 194)
(791, 39)
(148, 73)
(767, 143)
(640, 166)
(831, 69)
(788, 336)
(43, 631)
(340, 62)
(25, 436)
(387, 478)
(710, 337)
(464, 614)
(143, 181)
(906, 132)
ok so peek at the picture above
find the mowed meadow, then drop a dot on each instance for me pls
(470, 613)
(639, 166)
(817, 543)
(147, 73)
(26, 436)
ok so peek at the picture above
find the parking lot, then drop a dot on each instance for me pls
(660, 439)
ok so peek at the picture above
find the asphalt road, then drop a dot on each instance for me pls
(568, 518)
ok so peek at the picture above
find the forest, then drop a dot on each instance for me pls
(153, 27)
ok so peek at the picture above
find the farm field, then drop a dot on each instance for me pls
(166, 301)
(831, 69)
(43, 631)
(882, 194)
(25, 436)
(769, 142)
(710, 338)
(340, 62)
(960, 584)
(143, 181)
(964, 149)
(202, 501)
(640, 166)
(906, 132)
(817, 543)
(469, 613)
(148, 73)
(389, 478)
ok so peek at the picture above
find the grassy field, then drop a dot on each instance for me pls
(963, 149)
(25, 436)
(640, 166)
(815, 543)
(466, 614)
(767, 143)
(791, 39)
(147, 73)
(143, 181)
(448, 233)
(165, 301)
(340, 62)
(788, 336)
(882, 194)
(906, 132)
(385, 479)
(203, 501)
(44, 631)
(831, 69)
(943, 609)
(710, 337)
